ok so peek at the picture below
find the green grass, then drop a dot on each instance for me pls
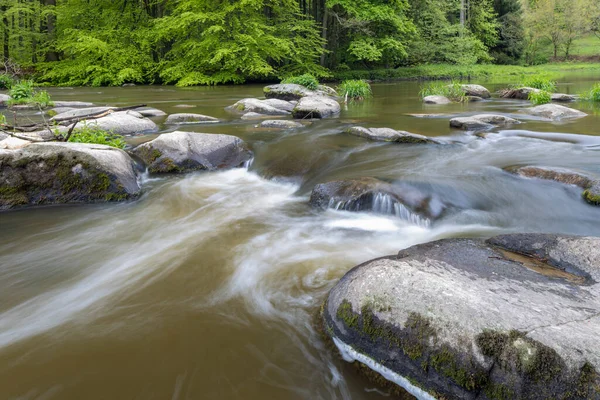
(95, 135)
(306, 80)
(539, 82)
(539, 98)
(488, 73)
(6, 81)
(21, 90)
(593, 94)
(355, 89)
(24, 92)
(452, 91)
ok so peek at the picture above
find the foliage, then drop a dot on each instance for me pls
(93, 134)
(510, 46)
(355, 89)
(452, 91)
(540, 97)
(593, 94)
(539, 82)
(6, 81)
(306, 80)
(2, 119)
(22, 90)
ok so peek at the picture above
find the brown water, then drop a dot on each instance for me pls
(207, 286)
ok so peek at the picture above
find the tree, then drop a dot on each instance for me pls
(510, 45)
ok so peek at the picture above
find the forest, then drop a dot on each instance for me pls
(203, 42)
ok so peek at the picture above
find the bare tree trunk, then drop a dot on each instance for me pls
(324, 32)
(462, 16)
(51, 55)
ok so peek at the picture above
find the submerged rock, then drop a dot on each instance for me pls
(481, 121)
(4, 98)
(476, 91)
(388, 135)
(555, 112)
(281, 124)
(256, 106)
(60, 173)
(436, 100)
(513, 317)
(178, 152)
(189, 119)
(590, 184)
(288, 91)
(316, 107)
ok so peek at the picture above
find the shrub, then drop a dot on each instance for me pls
(95, 135)
(2, 119)
(541, 97)
(539, 82)
(452, 91)
(356, 89)
(6, 81)
(22, 90)
(306, 80)
(593, 94)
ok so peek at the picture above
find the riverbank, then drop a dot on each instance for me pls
(489, 73)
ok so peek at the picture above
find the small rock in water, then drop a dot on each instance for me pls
(150, 112)
(189, 119)
(4, 98)
(555, 112)
(476, 91)
(561, 97)
(253, 115)
(388, 135)
(281, 124)
(436, 100)
(481, 121)
(519, 93)
(513, 317)
(178, 152)
(316, 107)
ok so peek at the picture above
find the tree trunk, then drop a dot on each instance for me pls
(51, 55)
(324, 32)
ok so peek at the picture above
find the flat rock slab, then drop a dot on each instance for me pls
(481, 121)
(73, 104)
(74, 113)
(555, 112)
(476, 91)
(436, 100)
(60, 173)
(124, 123)
(179, 152)
(514, 317)
(187, 118)
(257, 106)
(281, 124)
(388, 135)
(316, 107)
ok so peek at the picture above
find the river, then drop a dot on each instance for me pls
(207, 287)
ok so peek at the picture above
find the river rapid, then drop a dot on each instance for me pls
(208, 285)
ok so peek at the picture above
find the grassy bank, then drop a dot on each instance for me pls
(464, 72)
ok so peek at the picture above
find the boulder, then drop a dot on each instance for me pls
(288, 91)
(256, 106)
(316, 107)
(436, 100)
(280, 104)
(513, 317)
(562, 97)
(60, 173)
(518, 93)
(178, 152)
(4, 98)
(590, 184)
(150, 112)
(73, 104)
(555, 112)
(281, 124)
(476, 91)
(124, 123)
(481, 121)
(370, 194)
(388, 135)
(59, 110)
(189, 119)
(74, 113)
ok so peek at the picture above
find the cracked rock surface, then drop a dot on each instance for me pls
(512, 317)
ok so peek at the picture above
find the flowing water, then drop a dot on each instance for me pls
(207, 286)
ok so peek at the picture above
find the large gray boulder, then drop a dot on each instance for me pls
(124, 123)
(388, 135)
(563, 97)
(481, 121)
(281, 104)
(514, 317)
(555, 112)
(316, 107)
(476, 91)
(589, 183)
(288, 91)
(521, 93)
(370, 194)
(178, 152)
(4, 98)
(187, 118)
(436, 100)
(257, 106)
(59, 173)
